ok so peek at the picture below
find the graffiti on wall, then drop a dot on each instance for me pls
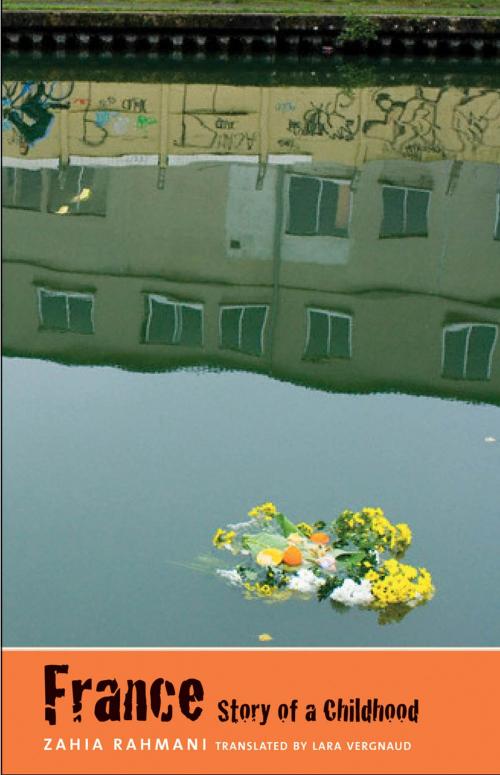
(337, 119)
(127, 118)
(28, 109)
(215, 133)
(411, 122)
(216, 130)
(442, 122)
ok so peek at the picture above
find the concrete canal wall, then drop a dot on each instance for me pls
(255, 33)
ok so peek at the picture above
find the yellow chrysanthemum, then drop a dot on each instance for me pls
(400, 583)
(265, 511)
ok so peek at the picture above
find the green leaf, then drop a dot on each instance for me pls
(286, 525)
(351, 559)
(256, 543)
(341, 554)
(327, 588)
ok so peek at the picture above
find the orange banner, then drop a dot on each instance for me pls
(250, 711)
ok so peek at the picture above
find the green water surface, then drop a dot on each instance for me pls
(189, 340)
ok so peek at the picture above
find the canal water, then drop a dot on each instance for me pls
(244, 281)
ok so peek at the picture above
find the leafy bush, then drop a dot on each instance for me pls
(358, 28)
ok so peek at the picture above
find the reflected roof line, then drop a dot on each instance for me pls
(216, 366)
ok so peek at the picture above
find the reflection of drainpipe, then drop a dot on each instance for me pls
(261, 174)
(453, 178)
(62, 175)
(164, 135)
(278, 225)
(263, 137)
(63, 129)
(160, 181)
(265, 98)
(164, 121)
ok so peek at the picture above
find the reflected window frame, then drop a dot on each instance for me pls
(67, 296)
(78, 178)
(468, 327)
(496, 230)
(321, 179)
(403, 234)
(15, 189)
(177, 304)
(331, 315)
(243, 308)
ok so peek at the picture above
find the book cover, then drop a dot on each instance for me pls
(251, 417)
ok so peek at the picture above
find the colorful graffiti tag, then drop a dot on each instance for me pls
(28, 108)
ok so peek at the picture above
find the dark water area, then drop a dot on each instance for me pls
(229, 282)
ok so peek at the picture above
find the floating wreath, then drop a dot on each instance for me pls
(353, 560)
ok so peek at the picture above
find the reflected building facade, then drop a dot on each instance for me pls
(344, 240)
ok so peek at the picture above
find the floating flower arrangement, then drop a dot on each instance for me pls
(355, 560)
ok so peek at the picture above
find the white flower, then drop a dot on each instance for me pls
(305, 581)
(328, 563)
(351, 593)
(232, 576)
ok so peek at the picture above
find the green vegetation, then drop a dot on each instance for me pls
(343, 7)
(358, 28)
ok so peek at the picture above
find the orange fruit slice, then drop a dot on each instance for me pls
(292, 556)
(319, 538)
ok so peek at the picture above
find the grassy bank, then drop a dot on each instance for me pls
(363, 7)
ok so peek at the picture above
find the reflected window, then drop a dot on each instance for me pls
(406, 212)
(329, 335)
(242, 328)
(173, 322)
(22, 189)
(497, 221)
(468, 350)
(66, 311)
(78, 191)
(318, 207)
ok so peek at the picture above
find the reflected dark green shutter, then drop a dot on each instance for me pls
(252, 330)
(303, 205)
(455, 343)
(80, 315)
(191, 327)
(481, 341)
(53, 311)
(328, 209)
(161, 323)
(340, 337)
(393, 218)
(404, 212)
(22, 189)
(242, 329)
(416, 213)
(317, 344)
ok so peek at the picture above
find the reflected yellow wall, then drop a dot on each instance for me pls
(346, 125)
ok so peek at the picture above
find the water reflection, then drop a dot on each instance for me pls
(342, 238)
(59, 119)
